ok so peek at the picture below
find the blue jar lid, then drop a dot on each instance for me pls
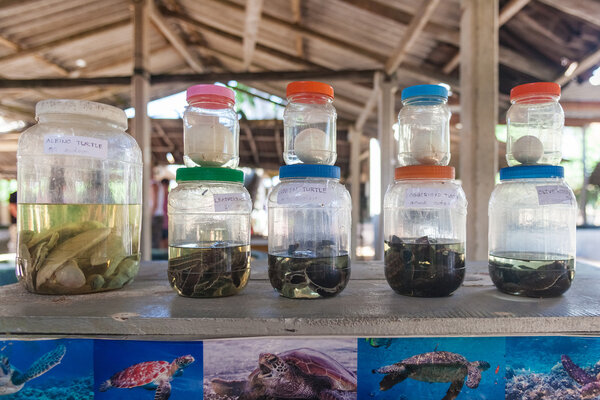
(424, 90)
(532, 172)
(309, 171)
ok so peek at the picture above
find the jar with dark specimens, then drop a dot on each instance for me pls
(209, 232)
(425, 216)
(309, 232)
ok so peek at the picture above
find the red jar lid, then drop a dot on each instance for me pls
(425, 172)
(309, 87)
(536, 88)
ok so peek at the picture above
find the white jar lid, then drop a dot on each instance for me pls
(82, 107)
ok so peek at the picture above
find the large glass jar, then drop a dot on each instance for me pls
(309, 124)
(309, 232)
(534, 122)
(425, 220)
(532, 220)
(211, 132)
(209, 232)
(79, 199)
(424, 126)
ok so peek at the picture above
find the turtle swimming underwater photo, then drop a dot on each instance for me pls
(151, 375)
(437, 366)
(294, 374)
(590, 385)
(12, 380)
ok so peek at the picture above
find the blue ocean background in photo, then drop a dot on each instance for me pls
(112, 356)
(534, 368)
(491, 350)
(71, 379)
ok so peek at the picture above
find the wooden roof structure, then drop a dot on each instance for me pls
(49, 48)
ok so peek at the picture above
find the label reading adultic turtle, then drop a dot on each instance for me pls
(430, 198)
(228, 202)
(76, 146)
(553, 194)
(304, 193)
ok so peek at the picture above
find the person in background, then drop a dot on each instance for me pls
(12, 229)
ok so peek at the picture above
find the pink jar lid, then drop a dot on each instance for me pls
(210, 90)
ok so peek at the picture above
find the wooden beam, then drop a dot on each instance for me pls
(161, 133)
(588, 62)
(414, 29)
(55, 66)
(140, 97)
(507, 12)
(251, 24)
(173, 37)
(479, 109)
(278, 143)
(252, 144)
(297, 18)
(588, 11)
(68, 39)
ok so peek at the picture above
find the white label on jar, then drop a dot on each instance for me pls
(428, 197)
(76, 146)
(553, 194)
(228, 202)
(305, 193)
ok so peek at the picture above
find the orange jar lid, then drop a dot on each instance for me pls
(425, 172)
(535, 88)
(309, 87)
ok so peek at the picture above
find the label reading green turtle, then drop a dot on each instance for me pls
(295, 374)
(12, 380)
(437, 366)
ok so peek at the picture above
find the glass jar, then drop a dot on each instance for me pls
(532, 220)
(79, 199)
(425, 230)
(534, 122)
(309, 124)
(211, 132)
(309, 232)
(209, 232)
(424, 126)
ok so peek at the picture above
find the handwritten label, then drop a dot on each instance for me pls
(553, 194)
(427, 197)
(76, 146)
(229, 202)
(305, 193)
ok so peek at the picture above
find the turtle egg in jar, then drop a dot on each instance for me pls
(311, 146)
(210, 127)
(528, 149)
(427, 148)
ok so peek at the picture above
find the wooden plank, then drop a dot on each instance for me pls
(507, 12)
(414, 29)
(55, 66)
(251, 25)
(297, 15)
(140, 98)
(252, 144)
(278, 143)
(479, 108)
(176, 41)
(588, 11)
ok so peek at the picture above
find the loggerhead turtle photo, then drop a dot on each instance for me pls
(436, 366)
(12, 380)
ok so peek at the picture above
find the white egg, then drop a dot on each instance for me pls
(426, 148)
(527, 149)
(310, 146)
(209, 144)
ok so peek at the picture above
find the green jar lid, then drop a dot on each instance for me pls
(209, 174)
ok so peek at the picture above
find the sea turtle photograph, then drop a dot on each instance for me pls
(148, 370)
(432, 369)
(46, 369)
(261, 369)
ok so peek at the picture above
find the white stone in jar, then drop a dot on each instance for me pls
(527, 149)
(426, 148)
(310, 146)
(209, 143)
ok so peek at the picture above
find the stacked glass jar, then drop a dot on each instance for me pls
(532, 211)
(425, 210)
(79, 199)
(309, 210)
(209, 210)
